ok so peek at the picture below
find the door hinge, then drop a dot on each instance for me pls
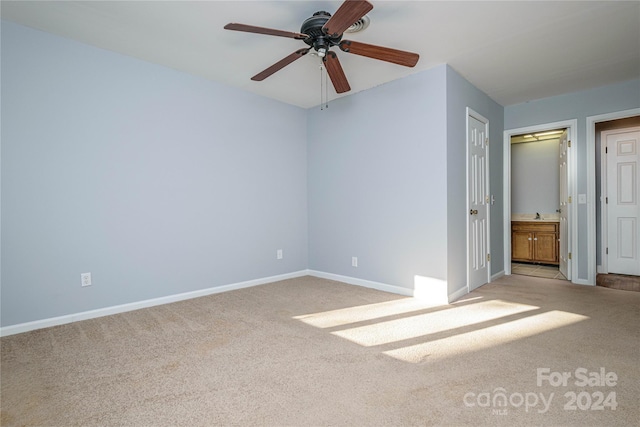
(606, 150)
(486, 141)
(607, 251)
(488, 257)
(569, 200)
(569, 143)
(486, 199)
(606, 200)
(569, 256)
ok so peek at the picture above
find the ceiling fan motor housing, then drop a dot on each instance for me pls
(318, 39)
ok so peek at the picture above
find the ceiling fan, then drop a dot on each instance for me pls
(323, 31)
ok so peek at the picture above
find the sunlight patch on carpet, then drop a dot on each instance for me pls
(361, 313)
(409, 327)
(484, 338)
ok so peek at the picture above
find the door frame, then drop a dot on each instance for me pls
(572, 125)
(471, 113)
(591, 187)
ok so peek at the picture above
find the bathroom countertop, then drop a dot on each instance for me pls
(554, 217)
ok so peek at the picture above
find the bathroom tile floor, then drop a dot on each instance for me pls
(537, 270)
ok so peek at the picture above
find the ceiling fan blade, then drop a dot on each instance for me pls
(400, 57)
(280, 64)
(336, 74)
(346, 15)
(262, 30)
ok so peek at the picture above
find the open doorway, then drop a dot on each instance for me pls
(538, 193)
(616, 144)
(594, 216)
(538, 214)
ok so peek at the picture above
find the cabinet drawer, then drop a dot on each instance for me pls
(534, 226)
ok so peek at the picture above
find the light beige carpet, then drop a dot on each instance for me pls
(310, 351)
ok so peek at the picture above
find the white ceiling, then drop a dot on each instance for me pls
(514, 51)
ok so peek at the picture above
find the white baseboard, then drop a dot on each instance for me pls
(389, 288)
(458, 294)
(92, 314)
(498, 275)
(361, 282)
(100, 312)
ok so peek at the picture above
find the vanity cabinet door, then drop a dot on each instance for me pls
(521, 246)
(545, 247)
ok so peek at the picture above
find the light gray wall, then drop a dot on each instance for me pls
(535, 177)
(155, 181)
(579, 106)
(460, 95)
(377, 182)
(387, 180)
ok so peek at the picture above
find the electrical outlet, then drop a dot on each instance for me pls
(354, 261)
(279, 254)
(85, 279)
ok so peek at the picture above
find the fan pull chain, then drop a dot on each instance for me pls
(321, 85)
(324, 88)
(321, 90)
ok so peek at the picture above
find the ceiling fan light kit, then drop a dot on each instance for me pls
(321, 32)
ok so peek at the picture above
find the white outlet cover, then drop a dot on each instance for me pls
(85, 279)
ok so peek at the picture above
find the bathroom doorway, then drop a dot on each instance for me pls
(538, 195)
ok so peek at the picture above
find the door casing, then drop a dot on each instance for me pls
(563, 231)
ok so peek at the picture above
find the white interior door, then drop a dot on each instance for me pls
(622, 195)
(478, 200)
(563, 239)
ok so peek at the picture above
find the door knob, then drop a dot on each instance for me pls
(473, 212)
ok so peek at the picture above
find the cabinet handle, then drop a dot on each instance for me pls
(535, 238)
(529, 238)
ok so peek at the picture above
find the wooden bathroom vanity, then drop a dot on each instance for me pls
(535, 241)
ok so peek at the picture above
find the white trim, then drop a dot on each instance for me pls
(573, 214)
(123, 308)
(399, 290)
(471, 113)
(498, 275)
(100, 312)
(458, 294)
(591, 182)
(572, 125)
(604, 213)
(361, 282)
(506, 197)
